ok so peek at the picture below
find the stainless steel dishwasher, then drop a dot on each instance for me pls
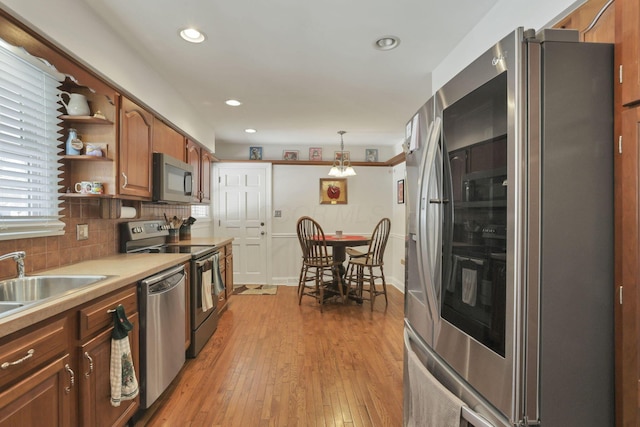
(162, 331)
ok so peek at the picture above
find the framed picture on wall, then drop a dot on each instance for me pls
(315, 154)
(333, 191)
(400, 191)
(290, 155)
(371, 155)
(255, 153)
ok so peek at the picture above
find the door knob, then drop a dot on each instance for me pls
(262, 233)
(262, 224)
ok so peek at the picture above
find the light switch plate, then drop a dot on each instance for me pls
(82, 231)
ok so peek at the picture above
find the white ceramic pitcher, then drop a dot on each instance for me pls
(77, 106)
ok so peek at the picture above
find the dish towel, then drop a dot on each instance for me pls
(469, 286)
(207, 299)
(430, 403)
(124, 385)
(218, 283)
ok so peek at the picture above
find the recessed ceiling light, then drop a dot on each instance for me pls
(250, 130)
(233, 102)
(192, 35)
(387, 43)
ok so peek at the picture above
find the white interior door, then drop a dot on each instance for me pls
(242, 204)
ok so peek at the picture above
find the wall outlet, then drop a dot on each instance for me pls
(277, 214)
(82, 231)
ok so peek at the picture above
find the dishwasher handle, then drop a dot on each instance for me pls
(165, 280)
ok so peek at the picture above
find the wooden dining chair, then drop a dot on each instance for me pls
(319, 273)
(364, 269)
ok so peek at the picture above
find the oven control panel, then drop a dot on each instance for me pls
(147, 228)
(136, 233)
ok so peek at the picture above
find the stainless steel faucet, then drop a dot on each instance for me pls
(18, 257)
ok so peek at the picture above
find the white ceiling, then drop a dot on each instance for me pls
(302, 69)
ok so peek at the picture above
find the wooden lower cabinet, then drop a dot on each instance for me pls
(94, 381)
(43, 398)
(226, 271)
(94, 356)
(627, 229)
(222, 297)
(228, 277)
(58, 371)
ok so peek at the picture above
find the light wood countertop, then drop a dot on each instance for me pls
(122, 269)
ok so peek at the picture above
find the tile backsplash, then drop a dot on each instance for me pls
(45, 253)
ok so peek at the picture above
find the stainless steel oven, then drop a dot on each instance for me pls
(204, 320)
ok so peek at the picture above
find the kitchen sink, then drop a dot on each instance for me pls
(6, 307)
(37, 288)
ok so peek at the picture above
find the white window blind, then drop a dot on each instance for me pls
(29, 160)
(200, 211)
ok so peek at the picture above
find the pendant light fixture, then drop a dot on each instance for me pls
(341, 168)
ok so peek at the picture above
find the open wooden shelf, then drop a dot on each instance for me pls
(86, 119)
(84, 157)
(86, 196)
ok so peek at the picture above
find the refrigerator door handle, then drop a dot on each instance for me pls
(426, 267)
(420, 238)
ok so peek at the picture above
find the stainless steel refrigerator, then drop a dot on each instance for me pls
(509, 265)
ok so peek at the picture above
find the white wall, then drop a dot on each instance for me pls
(394, 264)
(296, 192)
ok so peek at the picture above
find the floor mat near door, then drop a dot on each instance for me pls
(255, 290)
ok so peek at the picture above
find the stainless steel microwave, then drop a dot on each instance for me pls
(172, 179)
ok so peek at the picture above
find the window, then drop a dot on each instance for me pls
(200, 212)
(29, 160)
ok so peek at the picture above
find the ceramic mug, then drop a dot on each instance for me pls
(83, 187)
(339, 233)
(97, 188)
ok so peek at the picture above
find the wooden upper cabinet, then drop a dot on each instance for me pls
(206, 163)
(629, 49)
(136, 126)
(193, 158)
(201, 160)
(595, 20)
(167, 140)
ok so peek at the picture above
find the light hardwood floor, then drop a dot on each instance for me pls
(272, 362)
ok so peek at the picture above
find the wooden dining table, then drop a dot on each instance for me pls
(340, 244)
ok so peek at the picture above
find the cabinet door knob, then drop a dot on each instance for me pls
(87, 374)
(72, 378)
